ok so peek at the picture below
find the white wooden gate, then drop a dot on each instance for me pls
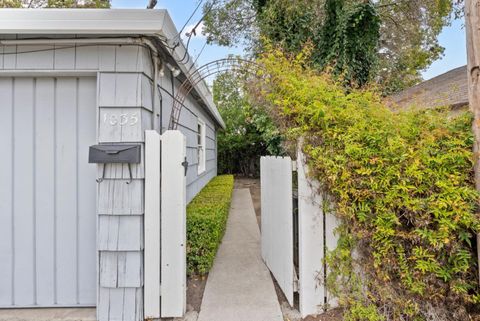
(315, 233)
(165, 225)
(277, 223)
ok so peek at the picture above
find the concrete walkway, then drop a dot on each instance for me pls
(239, 286)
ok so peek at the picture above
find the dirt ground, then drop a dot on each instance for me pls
(196, 284)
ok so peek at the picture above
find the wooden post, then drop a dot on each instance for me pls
(473, 68)
(152, 226)
(173, 225)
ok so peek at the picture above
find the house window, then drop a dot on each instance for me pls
(201, 146)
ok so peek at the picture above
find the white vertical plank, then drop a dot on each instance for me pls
(173, 225)
(45, 189)
(86, 194)
(312, 291)
(35, 57)
(6, 190)
(64, 57)
(106, 61)
(86, 58)
(66, 187)
(152, 225)
(277, 220)
(23, 205)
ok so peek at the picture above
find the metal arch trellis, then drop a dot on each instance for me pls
(205, 71)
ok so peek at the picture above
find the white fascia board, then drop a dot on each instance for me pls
(81, 21)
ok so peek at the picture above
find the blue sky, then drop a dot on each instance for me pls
(452, 37)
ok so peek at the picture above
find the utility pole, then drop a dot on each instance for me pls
(472, 24)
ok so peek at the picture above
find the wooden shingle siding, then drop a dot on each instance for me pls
(120, 198)
(117, 304)
(120, 233)
(125, 105)
(122, 269)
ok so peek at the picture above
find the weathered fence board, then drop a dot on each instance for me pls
(316, 227)
(152, 225)
(277, 220)
(311, 227)
(173, 225)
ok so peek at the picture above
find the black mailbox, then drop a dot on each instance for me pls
(115, 153)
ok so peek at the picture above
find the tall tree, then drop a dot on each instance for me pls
(408, 30)
(250, 132)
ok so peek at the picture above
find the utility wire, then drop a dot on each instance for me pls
(193, 32)
(198, 56)
(190, 18)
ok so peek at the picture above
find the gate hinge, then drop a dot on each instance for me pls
(296, 282)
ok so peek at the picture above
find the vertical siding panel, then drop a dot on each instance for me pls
(23, 192)
(6, 191)
(86, 58)
(106, 58)
(66, 190)
(64, 57)
(86, 192)
(45, 189)
(9, 60)
(126, 58)
(35, 57)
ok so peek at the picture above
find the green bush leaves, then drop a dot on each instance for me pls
(207, 217)
(402, 187)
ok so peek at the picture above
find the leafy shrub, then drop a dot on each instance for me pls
(402, 187)
(207, 217)
(249, 133)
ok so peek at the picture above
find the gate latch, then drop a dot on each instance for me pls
(185, 165)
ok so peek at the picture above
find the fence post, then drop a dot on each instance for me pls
(312, 292)
(173, 225)
(316, 236)
(152, 226)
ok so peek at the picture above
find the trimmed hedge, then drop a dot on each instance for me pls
(207, 217)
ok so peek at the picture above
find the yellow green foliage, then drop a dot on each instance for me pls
(401, 184)
(207, 217)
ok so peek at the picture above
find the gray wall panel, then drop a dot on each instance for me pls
(6, 190)
(50, 210)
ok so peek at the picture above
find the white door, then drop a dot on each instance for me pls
(47, 192)
(277, 220)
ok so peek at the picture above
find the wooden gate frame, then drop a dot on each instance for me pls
(165, 225)
(315, 233)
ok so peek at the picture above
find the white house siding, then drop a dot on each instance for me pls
(123, 86)
(189, 115)
(47, 192)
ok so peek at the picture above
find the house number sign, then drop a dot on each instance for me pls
(125, 119)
